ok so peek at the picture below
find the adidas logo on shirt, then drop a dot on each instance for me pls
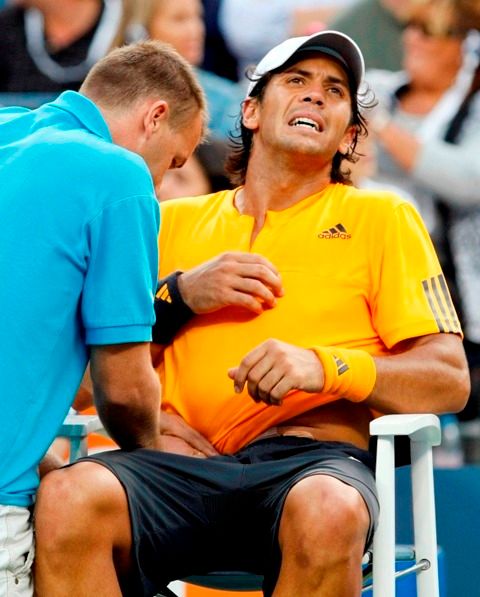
(338, 231)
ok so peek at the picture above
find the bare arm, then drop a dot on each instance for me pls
(127, 394)
(402, 146)
(426, 374)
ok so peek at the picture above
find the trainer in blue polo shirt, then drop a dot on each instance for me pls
(79, 260)
(78, 214)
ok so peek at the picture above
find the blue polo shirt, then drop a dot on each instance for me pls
(78, 267)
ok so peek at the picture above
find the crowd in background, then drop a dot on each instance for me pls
(422, 59)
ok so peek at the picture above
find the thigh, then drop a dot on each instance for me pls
(16, 552)
(179, 508)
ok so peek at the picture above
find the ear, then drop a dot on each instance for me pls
(347, 140)
(156, 115)
(250, 109)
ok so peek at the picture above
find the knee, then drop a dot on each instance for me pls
(326, 520)
(72, 501)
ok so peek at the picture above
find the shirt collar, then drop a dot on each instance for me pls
(84, 110)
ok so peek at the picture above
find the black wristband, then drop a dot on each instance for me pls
(171, 311)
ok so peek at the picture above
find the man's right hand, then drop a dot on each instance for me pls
(233, 278)
(178, 437)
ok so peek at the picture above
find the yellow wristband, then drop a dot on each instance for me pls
(349, 373)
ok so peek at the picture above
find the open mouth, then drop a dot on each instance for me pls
(306, 123)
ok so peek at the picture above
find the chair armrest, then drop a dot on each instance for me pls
(419, 427)
(76, 428)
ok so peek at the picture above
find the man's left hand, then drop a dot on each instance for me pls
(274, 368)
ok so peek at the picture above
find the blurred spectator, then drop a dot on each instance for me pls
(365, 170)
(217, 57)
(49, 46)
(252, 27)
(201, 174)
(427, 127)
(181, 24)
(377, 26)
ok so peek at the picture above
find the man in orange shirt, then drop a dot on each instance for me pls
(305, 306)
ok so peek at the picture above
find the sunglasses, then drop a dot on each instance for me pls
(430, 30)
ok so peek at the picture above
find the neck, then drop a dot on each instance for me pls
(68, 20)
(281, 185)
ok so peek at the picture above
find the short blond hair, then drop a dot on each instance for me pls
(146, 69)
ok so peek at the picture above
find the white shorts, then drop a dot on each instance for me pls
(16, 552)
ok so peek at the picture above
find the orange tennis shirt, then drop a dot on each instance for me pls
(358, 269)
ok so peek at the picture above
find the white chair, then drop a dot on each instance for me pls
(423, 431)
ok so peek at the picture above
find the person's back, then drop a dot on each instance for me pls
(50, 221)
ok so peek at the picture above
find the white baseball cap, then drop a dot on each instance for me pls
(332, 43)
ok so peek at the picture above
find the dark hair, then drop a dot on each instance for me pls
(241, 141)
(148, 68)
(211, 156)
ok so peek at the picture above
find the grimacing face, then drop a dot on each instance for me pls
(305, 109)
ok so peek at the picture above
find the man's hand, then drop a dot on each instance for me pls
(178, 437)
(274, 368)
(231, 279)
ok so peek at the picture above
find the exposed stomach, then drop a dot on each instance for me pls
(341, 420)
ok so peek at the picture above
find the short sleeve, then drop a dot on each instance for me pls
(117, 299)
(412, 297)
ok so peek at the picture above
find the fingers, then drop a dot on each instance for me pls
(256, 267)
(199, 443)
(274, 368)
(238, 279)
(246, 283)
(176, 445)
(263, 377)
(174, 426)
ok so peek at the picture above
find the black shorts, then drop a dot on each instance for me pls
(193, 516)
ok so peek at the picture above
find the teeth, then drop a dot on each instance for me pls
(308, 122)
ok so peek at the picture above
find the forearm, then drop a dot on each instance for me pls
(437, 165)
(401, 145)
(427, 374)
(450, 171)
(132, 418)
(126, 392)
